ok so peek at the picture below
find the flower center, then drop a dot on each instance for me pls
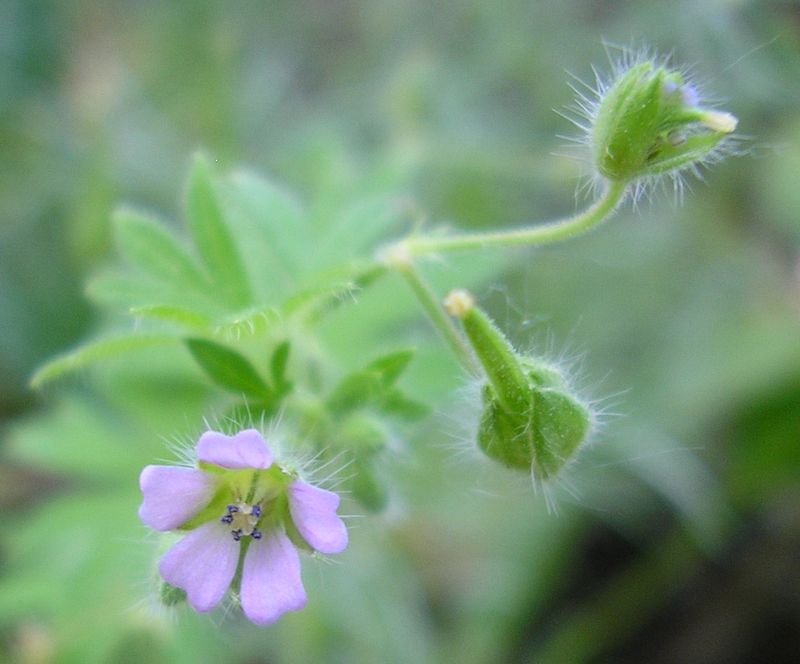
(243, 519)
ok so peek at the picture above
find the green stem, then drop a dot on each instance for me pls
(532, 235)
(437, 315)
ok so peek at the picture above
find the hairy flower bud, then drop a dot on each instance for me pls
(649, 121)
(530, 420)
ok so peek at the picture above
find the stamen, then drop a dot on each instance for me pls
(243, 518)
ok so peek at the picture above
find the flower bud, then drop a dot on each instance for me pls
(531, 420)
(649, 121)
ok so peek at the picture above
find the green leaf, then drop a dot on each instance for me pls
(228, 369)
(213, 236)
(319, 296)
(369, 384)
(354, 391)
(149, 246)
(276, 253)
(345, 286)
(365, 486)
(92, 352)
(391, 366)
(397, 404)
(169, 313)
(248, 323)
(355, 231)
(280, 358)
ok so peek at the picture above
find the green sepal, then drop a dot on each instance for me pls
(627, 122)
(643, 126)
(542, 444)
(694, 148)
(530, 419)
(561, 427)
(505, 437)
(170, 595)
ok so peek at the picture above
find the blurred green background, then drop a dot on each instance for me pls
(678, 537)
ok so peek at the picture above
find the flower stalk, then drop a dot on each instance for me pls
(535, 235)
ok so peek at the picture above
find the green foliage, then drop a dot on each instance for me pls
(229, 369)
(369, 385)
(213, 237)
(102, 349)
(689, 314)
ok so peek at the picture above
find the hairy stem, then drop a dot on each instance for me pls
(531, 235)
(436, 313)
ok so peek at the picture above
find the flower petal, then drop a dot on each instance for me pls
(203, 564)
(271, 583)
(314, 513)
(247, 449)
(173, 495)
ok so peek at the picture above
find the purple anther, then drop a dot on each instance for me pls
(226, 519)
(669, 87)
(256, 534)
(689, 95)
(237, 535)
(256, 511)
(232, 509)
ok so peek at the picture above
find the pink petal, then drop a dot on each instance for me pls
(314, 513)
(173, 495)
(203, 564)
(271, 583)
(247, 449)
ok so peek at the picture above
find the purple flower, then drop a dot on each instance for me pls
(239, 503)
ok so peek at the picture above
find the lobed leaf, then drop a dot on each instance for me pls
(183, 316)
(93, 351)
(370, 384)
(149, 246)
(213, 236)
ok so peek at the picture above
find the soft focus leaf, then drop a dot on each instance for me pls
(213, 236)
(276, 251)
(277, 366)
(147, 244)
(172, 314)
(369, 384)
(94, 351)
(390, 367)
